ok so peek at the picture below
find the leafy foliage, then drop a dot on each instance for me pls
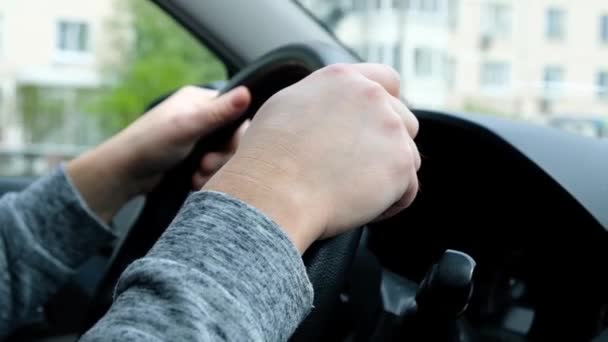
(160, 58)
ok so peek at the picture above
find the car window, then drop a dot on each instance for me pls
(72, 73)
(542, 61)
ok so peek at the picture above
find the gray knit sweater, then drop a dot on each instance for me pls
(221, 271)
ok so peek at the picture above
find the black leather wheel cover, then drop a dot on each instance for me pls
(327, 261)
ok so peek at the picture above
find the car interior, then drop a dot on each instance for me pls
(506, 241)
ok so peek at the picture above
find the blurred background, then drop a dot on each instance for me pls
(72, 72)
(543, 61)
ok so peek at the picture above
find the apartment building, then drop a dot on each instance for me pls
(537, 60)
(51, 52)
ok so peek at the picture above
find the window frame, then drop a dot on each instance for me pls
(2, 35)
(427, 71)
(489, 70)
(492, 24)
(397, 56)
(601, 83)
(72, 55)
(553, 88)
(603, 29)
(73, 36)
(555, 24)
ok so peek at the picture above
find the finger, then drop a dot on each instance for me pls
(211, 115)
(405, 201)
(415, 154)
(199, 180)
(236, 138)
(383, 74)
(207, 94)
(410, 120)
(213, 161)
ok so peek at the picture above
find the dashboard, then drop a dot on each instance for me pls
(538, 235)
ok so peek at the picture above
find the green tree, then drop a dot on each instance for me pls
(160, 57)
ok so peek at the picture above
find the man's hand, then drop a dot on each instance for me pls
(330, 153)
(134, 161)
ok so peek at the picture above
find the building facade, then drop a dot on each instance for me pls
(536, 60)
(51, 52)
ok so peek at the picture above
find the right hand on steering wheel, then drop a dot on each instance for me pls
(327, 154)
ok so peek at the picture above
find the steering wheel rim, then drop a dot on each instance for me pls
(327, 262)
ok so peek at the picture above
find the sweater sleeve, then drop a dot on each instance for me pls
(221, 272)
(46, 232)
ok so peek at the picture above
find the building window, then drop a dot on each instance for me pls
(380, 53)
(1, 35)
(495, 74)
(359, 5)
(397, 51)
(556, 23)
(553, 79)
(364, 5)
(363, 51)
(73, 36)
(384, 4)
(602, 85)
(401, 4)
(385, 53)
(449, 71)
(426, 6)
(375, 52)
(373, 55)
(604, 28)
(345, 5)
(423, 62)
(453, 13)
(496, 20)
(431, 6)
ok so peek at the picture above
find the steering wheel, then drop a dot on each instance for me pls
(327, 262)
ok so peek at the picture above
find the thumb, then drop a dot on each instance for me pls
(222, 110)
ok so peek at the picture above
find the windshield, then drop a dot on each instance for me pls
(541, 61)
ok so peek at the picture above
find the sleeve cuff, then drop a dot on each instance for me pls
(83, 204)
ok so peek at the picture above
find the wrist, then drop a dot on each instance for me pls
(100, 177)
(277, 198)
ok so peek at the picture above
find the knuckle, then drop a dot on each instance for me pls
(404, 159)
(210, 166)
(187, 90)
(180, 120)
(414, 123)
(417, 157)
(373, 91)
(207, 164)
(392, 74)
(337, 69)
(392, 124)
(413, 188)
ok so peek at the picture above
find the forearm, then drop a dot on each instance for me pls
(101, 179)
(222, 271)
(47, 232)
